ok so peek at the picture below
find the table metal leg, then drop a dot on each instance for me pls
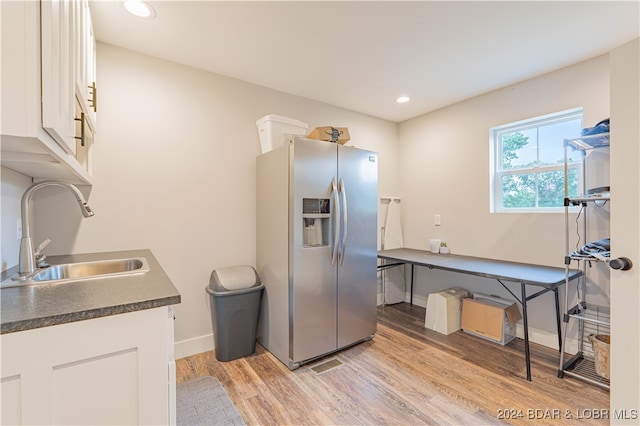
(555, 293)
(411, 296)
(527, 354)
(384, 287)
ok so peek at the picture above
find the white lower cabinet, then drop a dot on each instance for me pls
(110, 370)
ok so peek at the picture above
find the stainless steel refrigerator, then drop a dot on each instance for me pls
(316, 248)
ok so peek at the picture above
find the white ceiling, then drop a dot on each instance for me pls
(361, 55)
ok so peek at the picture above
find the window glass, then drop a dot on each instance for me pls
(528, 172)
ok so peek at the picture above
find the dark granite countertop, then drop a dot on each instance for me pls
(44, 305)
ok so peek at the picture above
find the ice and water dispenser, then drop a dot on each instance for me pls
(316, 213)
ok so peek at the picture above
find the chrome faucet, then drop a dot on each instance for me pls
(27, 262)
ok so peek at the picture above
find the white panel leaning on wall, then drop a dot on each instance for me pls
(393, 280)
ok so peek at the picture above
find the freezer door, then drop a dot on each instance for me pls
(313, 279)
(358, 181)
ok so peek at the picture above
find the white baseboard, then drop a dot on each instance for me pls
(194, 346)
(417, 300)
(541, 337)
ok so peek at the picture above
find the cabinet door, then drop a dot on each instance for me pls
(20, 70)
(84, 138)
(85, 59)
(57, 75)
(109, 370)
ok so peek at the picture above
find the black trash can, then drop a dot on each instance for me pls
(235, 294)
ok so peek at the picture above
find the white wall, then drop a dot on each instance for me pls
(445, 170)
(13, 186)
(174, 171)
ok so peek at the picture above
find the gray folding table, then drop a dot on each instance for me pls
(547, 277)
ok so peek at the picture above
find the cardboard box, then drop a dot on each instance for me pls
(444, 310)
(326, 133)
(491, 318)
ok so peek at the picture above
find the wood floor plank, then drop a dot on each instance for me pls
(337, 410)
(406, 375)
(416, 391)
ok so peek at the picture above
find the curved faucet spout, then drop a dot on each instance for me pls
(26, 255)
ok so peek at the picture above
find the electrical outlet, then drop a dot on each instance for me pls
(19, 229)
(436, 220)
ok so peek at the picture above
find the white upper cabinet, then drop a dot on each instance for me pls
(57, 75)
(48, 55)
(85, 54)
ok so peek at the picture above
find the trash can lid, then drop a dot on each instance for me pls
(234, 278)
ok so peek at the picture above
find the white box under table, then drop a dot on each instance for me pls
(444, 310)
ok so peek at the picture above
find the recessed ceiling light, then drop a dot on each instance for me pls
(403, 99)
(140, 9)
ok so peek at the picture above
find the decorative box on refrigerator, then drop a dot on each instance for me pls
(316, 248)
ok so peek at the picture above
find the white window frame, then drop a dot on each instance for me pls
(496, 156)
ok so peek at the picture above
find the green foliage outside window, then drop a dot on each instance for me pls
(536, 189)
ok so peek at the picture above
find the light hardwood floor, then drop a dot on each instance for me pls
(407, 375)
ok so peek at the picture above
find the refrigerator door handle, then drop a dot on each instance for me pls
(336, 219)
(343, 192)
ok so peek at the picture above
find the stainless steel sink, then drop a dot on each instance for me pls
(82, 271)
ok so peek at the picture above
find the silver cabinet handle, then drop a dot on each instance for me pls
(343, 192)
(336, 218)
